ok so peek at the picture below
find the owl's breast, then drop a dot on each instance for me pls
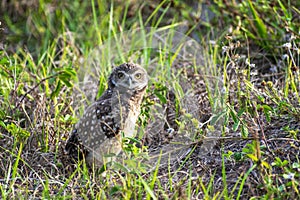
(130, 121)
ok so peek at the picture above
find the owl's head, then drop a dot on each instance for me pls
(128, 76)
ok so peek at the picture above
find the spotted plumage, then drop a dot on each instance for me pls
(97, 134)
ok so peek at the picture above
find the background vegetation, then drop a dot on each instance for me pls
(253, 47)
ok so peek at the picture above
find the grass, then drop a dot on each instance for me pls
(233, 96)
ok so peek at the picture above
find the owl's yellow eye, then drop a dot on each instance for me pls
(120, 75)
(138, 75)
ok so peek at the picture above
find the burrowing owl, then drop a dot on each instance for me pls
(99, 132)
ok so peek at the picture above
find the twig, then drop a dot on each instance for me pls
(284, 139)
(29, 91)
(222, 138)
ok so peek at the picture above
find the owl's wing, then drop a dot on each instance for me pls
(98, 124)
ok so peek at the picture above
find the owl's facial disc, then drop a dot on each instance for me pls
(134, 79)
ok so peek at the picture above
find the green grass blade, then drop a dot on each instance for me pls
(262, 29)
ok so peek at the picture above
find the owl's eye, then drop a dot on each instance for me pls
(138, 75)
(120, 75)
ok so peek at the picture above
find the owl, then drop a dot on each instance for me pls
(97, 136)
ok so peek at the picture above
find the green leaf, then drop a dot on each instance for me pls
(115, 189)
(17, 131)
(217, 117)
(234, 117)
(236, 126)
(131, 163)
(262, 30)
(119, 166)
(2, 124)
(66, 81)
(245, 132)
(260, 98)
(4, 61)
(295, 165)
(179, 89)
(102, 85)
(241, 111)
(238, 156)
(147, 188)
(57, 90)
(265, 164)
(70, 71)
(267, 110)
(285, 162)
(248, 149)
(162, 98)
(286, 13)
(252, 157)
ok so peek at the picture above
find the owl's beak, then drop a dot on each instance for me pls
(130, 82)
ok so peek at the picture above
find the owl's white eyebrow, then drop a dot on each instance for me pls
(113, 81)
